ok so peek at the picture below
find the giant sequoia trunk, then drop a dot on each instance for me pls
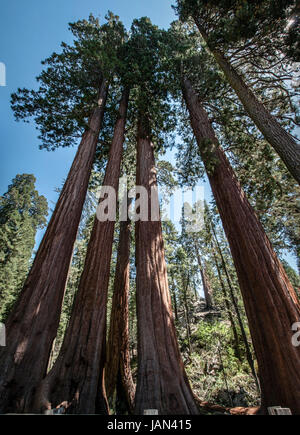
(282, 142)
(162, 383)
(117, 369)
(77, 375)
(271, 304)
(32, 325)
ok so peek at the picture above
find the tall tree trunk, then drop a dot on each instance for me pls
(283, 143)
(32, 325)
(271, 304)
(162, 383)
(77, 375)
(173, 293)
(205, 281)
(187, 313)
(207, 288)
(118, 357)
(228, 308)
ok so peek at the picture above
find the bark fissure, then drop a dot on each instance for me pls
(162, 383)
(33, 322)
(118, 371)
(77, 377)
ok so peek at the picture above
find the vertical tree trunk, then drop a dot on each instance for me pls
(271, 304)
(77, 375)
(205, 281)
(162, 383)
(32, 325)
(228, 309)
(282, 142)
(173, 293)
(207, 288)
(186, 284)
(121, 405)
(117, 368)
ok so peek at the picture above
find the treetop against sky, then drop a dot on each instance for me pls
(29, 33)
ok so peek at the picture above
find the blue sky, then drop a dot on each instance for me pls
(29, 32)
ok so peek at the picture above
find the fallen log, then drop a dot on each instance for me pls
(210, 407)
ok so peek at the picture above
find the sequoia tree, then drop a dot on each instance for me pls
(117, 369)
(262, 279)
(206, 16)
(22, 212)
(63, 107)
(77, 377)
(24, 361)
(205, 281)
(162, 383)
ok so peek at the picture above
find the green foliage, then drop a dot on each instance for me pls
(216, 374)
(150, 98)
(243, 21)
(293, 276)
(251, 35)
(22, 212)
(69, 84)
(152, 63)
(269, 187)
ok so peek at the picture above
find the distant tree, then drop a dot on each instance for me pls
(293, 276)
(22, 212)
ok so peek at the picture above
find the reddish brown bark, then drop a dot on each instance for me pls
(32, 325)
(271, 304)
(162, 383)
(77, 375)
(117, 368)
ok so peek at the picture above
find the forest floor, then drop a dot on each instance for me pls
(216, 374)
